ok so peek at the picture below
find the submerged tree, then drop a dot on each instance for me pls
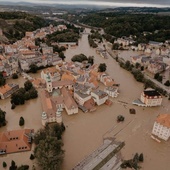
(102, 67)
(2, 118)
(21, 121)
(48, 150)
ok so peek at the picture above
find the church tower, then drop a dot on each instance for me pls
(44, 118)
(59, 115)
(49, 83)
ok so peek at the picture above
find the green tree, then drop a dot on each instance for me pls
(33, 93)
(102, 67)
(156, 76)
(48, 145)
(160, 79)
(2, 118)
(28, 85)
(62, 56)
(27, 95)
(137, 65)
(13, 106)
(115, 46)
(23, 167)
(91, 60)
(32, 157)
(127, 64)
(141, 158)
(33, 68)
(13, 166)
(62, 48)
(120, 118)
(17, 34)
(17, 98)
(167, 83)
(136, 158)
(4, 164)
(2, 79)
(52, 153)
(15, 76)
(21, 121)
(79, 58)
(138, 75)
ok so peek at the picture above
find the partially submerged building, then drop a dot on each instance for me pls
(161, 127)
(149, 97)
(16, 141)
(7, 90)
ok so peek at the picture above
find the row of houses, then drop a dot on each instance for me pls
(152, 64)
(159, 48)
(20, 55)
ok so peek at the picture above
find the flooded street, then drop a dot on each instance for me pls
(85, 131)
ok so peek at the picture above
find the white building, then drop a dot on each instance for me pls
(151, 97)
(81, 98)
(112, 91)
(161, 127)
(99, 96)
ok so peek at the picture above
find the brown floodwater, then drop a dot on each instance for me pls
(85, 131)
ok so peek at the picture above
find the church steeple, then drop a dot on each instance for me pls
(49, 83)
(44, 118)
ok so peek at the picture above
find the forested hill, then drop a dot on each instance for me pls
(139, 10)
(157, 26)
(15, 24)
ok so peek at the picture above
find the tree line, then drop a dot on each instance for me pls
(118, 25)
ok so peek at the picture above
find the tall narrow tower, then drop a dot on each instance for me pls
(59, 115)
(44, 118)
(49, 83)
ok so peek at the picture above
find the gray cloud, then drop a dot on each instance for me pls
(149, 3)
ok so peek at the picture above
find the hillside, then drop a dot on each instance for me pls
(15, 24)
(156, 27)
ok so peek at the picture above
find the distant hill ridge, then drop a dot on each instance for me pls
(15, 24)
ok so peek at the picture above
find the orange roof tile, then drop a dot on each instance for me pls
(68, 100)
(47, 104)
(67, 76)
(16, 140)
(164, 119)
(4, 89)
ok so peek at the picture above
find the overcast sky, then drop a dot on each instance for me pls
(140, 3)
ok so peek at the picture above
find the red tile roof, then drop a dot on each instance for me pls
(164, 120)
(16, 140)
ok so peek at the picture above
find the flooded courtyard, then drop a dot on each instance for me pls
(85, 131)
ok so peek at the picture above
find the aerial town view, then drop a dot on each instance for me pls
(84, 85)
